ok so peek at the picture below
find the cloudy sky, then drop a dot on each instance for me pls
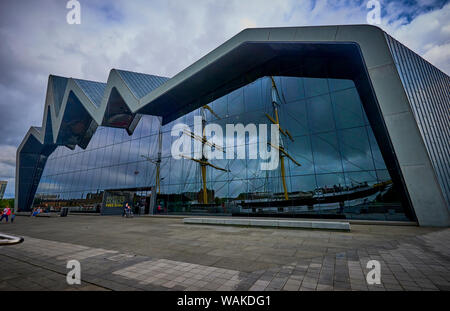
(162, 38)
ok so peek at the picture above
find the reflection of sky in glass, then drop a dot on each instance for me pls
(332, 141)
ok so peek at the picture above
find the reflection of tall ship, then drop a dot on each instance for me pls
(360, 193)
(204, 200)
(328, 198)
(281, 150)
(339, 193)
(272, 196)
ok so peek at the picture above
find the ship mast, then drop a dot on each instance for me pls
(157, 162)
(204, 161)
(282, 152)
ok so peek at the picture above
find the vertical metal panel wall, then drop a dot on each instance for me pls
(428, 91)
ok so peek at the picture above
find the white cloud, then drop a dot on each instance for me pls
(439, 54)
(8, 155)
(428, 35)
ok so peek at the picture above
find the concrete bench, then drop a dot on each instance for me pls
(272, 223)
(51, 214)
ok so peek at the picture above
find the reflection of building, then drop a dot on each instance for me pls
(367, 117)
(2, 188)
(46, 197)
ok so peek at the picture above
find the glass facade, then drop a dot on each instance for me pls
(428, 91)
(2, 188)
(342, 172)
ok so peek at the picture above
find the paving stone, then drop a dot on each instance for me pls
(173, 256)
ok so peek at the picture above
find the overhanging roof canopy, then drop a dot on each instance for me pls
(250, 61)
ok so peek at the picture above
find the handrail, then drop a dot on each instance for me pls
(10, 240)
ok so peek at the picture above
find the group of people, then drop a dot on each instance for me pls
(6, 213)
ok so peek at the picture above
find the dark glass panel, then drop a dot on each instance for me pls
(133, 154)
(320, 114)
(315, 87)
(377, 157)
(236, 102)
(340, 84)
(300, 150)
(293, 89)
(347, 108)
(326, 153)
(253, 99)
(294, 118)
(355, 149)
(124, 151)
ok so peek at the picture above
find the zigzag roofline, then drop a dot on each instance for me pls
(54, 111)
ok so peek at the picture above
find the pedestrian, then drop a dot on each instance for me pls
(125, 209)
(6, 213)
(13, 216)
(36, 212)
(129, 211)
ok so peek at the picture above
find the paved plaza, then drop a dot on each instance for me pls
(155, 253)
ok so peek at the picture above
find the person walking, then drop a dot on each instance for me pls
(125, 210)
(129, 211)
(36, 211)
(6, 213)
